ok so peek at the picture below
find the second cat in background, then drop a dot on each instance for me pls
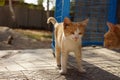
(112, 37)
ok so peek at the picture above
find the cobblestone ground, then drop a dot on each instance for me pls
(92, 74)
(39, 64)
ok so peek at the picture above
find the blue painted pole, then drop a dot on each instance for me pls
(65, 8)
(62, 10)
(112, 17)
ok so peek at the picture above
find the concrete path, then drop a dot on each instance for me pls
(39, 64)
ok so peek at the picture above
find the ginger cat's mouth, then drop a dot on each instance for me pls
(75, 39)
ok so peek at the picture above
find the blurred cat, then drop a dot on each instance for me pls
(112, 37)
(68, 38)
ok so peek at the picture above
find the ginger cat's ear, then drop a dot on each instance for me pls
(67, 22)
(85, 22)
(111, 26)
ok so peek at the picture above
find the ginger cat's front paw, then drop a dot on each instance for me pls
(62, 72)
(59, 67)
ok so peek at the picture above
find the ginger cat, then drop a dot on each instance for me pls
(112, 37)
(68, 38)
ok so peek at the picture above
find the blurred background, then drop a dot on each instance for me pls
(27, 14)
(32, 14)
(29, 17)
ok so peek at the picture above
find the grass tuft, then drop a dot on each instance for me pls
(38, 35)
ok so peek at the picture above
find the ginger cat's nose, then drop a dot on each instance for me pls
(76, 38)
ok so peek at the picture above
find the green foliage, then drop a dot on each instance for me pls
(53, 9)
(21, 1)
(40, 2)
(40, 5)
(2, 2)
(31, 6)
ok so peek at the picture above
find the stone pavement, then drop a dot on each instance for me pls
(39, 64)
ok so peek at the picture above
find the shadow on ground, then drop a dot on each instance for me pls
(93, 73)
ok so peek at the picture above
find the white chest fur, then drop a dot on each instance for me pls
(70, 45)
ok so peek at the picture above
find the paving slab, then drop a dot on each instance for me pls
(39, 64)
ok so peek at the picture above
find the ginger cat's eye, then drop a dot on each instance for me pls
(72, 32)
(80, 33)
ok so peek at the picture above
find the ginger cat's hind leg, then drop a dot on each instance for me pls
(58, 56)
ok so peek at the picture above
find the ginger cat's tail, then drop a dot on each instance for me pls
(52, 20)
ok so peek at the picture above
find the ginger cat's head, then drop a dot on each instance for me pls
(74, 30)
(112, 38)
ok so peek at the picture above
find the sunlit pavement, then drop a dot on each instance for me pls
(39, 64)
